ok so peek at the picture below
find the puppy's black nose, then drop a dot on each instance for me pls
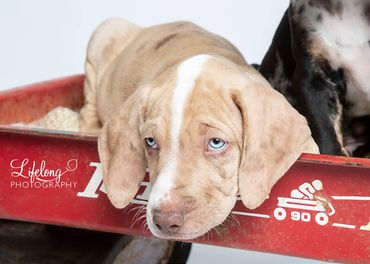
(168, 222)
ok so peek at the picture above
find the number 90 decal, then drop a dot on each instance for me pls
(320, 218)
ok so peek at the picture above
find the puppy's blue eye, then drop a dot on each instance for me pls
(151, 143)
(216, 144)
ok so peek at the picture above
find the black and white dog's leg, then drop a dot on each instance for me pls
(318, 102)
(360, 131)
(318, 95)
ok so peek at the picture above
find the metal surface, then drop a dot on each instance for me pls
(28, 103)
(319, 209)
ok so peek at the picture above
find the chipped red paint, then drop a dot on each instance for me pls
(329, 222)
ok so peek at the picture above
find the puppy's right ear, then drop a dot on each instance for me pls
(121, 152)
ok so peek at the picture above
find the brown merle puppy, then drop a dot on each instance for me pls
(320, 60)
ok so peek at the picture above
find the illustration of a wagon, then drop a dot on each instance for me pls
(303, 200)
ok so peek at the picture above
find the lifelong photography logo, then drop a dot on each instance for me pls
(31, 174)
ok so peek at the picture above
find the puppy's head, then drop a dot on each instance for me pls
(206, 130)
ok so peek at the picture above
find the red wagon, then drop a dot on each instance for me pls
(320, 209)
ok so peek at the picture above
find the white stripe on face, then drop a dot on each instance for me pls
(187, 73)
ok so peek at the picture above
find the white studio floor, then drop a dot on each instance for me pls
(219, 255)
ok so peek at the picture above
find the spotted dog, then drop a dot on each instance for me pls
(320, 60)
(182, 102)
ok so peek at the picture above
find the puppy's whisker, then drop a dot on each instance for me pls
(143, 226)
(232, 218)
(128, 206)
(134, 208)
(141, 207)
(139, 215)
(236, 219)
(208, 235)
(140, 210)
(138, 219)
(212, 233)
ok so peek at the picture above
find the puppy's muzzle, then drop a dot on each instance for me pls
(168, 223)
(169, 217)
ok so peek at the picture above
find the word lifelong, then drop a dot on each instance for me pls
(39, 174)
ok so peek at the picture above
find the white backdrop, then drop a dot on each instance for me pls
(41, 40)
(47, 39)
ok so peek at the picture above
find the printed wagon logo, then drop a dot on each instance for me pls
(39, 175)
(306, 204)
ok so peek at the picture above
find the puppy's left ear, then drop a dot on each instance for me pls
(121, 152)
(274, 136)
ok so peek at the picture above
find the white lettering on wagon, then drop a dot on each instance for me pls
(305, 198)
(308, 204)
(95, 184)
(31, 174)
